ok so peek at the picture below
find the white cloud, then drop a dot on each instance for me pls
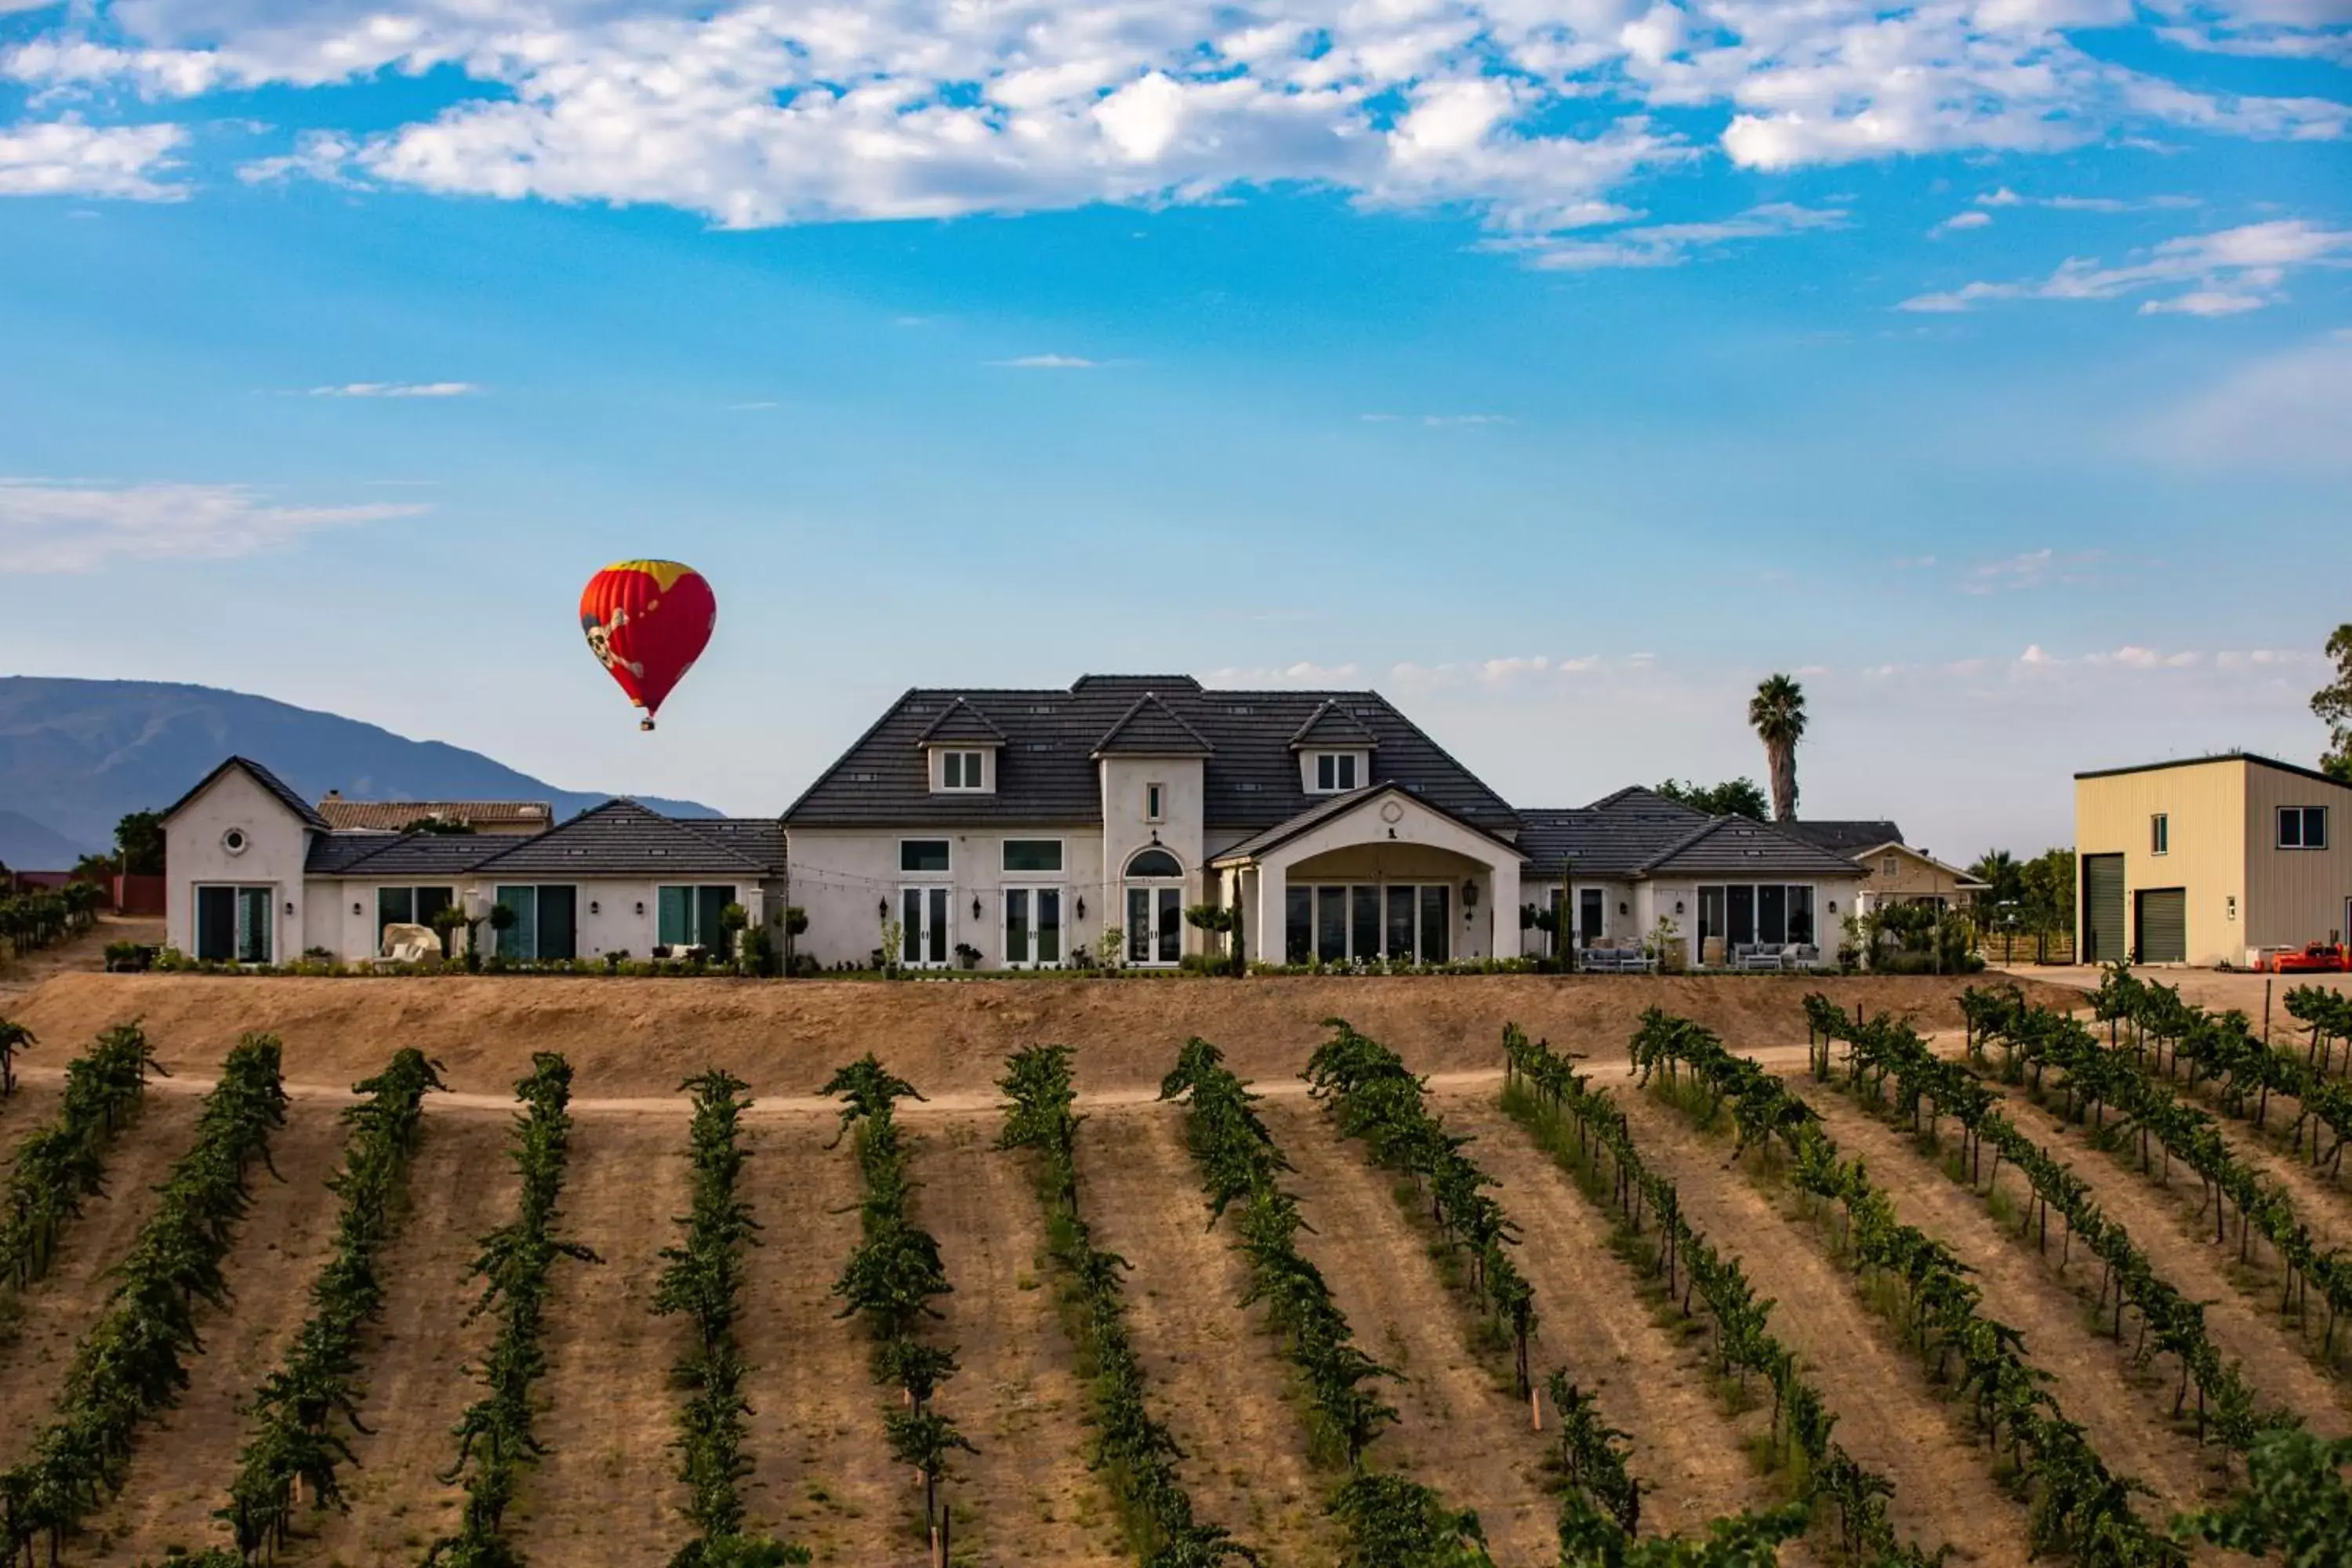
(78, 526)
(1437, 421)
(1671, 243)
(758, 112)
(1049, 362)
(2215, 274)
(2042, 568)
(1960, 221)
(2290, 410)
(67, 158)
(399, 389)
(2005, 197)
(1305, 673)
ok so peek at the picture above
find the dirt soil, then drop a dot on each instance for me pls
(1889, 1416)
(181, 1466)
(1463, 1429)
(1218, 1383)
(51, 1314)
(1650, 1378)
(84, 954)
(640, 1037)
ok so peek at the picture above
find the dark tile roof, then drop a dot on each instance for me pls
(759, 839)
(622, 839)
(392, 815)
(414, 855)
(1332, 725)
(330, 852)
(960, 721)
(1150, 729)
(1613, 836)
(267, 780)
(1848, 838)
(1046, 774)
(2314, 774)
(1329, 807)
(1736, 846)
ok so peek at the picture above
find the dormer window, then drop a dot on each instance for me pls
(1335, 773)
(960, 770)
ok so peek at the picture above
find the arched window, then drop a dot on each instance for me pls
(1154, 862)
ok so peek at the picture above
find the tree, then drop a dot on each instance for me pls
(2003, 877)
(2333, 705)
(2047, 903)
(139, 843)
(1777, 714)
(442, 825)
(1733, 797)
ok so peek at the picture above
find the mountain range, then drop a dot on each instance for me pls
(78, 755)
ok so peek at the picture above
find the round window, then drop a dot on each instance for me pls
(234, 841)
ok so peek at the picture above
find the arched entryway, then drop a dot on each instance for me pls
(1154, 882)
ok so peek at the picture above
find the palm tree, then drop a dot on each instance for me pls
(1777, 714)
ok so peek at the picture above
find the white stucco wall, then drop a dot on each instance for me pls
(608, 909)
(839, 874)
(1128, 828)
(277, 843)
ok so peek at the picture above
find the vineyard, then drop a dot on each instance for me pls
(1642, 1275)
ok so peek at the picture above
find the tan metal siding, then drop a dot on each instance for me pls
(2206, 804)
(2294, 896)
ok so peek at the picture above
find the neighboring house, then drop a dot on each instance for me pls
(1636, 858)
(1899, 874)
(2209, 861)
(260, 876)
(1021, 825)
(508, 816)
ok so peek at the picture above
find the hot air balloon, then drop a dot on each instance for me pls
(648, 622)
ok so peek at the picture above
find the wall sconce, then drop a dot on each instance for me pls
(975, 906)
(595, 907)
(1678, 907)
(290, 906)
(355, 908)
(1832, 906)
(881, 909)
(1469, 894)
(641, 906)
(1624, 908)
(1082, 906)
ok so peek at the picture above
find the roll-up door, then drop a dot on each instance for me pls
(2162, 924)
(2103, 909)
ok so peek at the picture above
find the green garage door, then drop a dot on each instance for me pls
(2162, 922)
(2103, 909)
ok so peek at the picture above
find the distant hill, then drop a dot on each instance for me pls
(76, 755)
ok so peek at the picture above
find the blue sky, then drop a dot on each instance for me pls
(1559, 369)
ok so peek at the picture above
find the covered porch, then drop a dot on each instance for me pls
(1376, 875)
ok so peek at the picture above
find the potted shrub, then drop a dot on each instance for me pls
(967, 955)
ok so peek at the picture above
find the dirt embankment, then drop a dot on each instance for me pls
(640, 1037)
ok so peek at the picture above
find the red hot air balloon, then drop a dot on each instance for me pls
(648, 622)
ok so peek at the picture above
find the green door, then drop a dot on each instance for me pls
(559, 922)
(2161, 923)
(519, 940)
(2103, 909)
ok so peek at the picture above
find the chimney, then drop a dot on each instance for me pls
(334, 794)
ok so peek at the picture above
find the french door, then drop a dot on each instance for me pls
(234, 925)
(926, 926)
(1033, 927)
(1155, 924)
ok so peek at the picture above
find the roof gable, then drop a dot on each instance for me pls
(960, 721)
(1339, 805)
(1613, 836)
(1331, 725)
(1843, 837)
(270, 782)
(1150, 729)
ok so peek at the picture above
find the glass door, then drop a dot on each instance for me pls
(1155, 924)
(1591, 924)
(519, 940)
(1033, 927)
(216, 924)
(924, 922)
(1400, 924)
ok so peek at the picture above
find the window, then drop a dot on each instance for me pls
(2303, 827)
(1030, 855)
(1154, 863)
(409, 906)
(1366, 924)
(1155, 802)
(1591, 923)
(926, 924)
(1033, 926)
(1888, 868)
(233, 924)
(692, 916)
(1335, 772)
(1773, 913)
(546, 923)
(960, 770)
(2159, 833)
(922, 855)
